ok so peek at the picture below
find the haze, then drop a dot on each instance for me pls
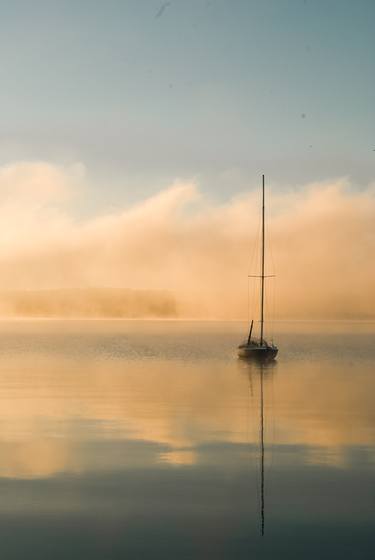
(133, 140)
(192, 253)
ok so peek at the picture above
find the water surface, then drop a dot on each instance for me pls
(127, 439)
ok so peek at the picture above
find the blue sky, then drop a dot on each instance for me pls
(145, 91)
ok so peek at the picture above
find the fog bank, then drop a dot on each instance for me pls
(181, 243)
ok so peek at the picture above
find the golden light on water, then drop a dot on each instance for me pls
(50, 403)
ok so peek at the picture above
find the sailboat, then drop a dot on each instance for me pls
(253, 348)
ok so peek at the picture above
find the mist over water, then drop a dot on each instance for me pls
(135, 263)
(141, 439)
(194, 251)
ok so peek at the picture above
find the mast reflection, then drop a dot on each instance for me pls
(263, 370)
(261, 451)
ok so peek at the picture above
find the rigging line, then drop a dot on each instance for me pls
(270, 251)
(248, 302)
(273, 294)
(255, 250)
(268, 306)
(252, 266)
(255, 246)
(271, 289)
(269, 244)
(272, 311)
(254, 300)
(262, 266)
(273, 308)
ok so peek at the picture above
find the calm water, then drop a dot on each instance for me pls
(142, 440)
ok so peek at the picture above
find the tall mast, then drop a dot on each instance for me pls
(262, 275)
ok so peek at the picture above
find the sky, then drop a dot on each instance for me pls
(142, 92)
(134, 135)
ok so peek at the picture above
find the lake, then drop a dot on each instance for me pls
(142, 439)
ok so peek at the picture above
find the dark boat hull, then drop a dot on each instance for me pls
(257, 352)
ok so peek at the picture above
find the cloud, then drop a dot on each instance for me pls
(33, 198)
(322, 237)
(38, 182)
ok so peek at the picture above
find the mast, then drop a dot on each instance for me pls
(262, 275)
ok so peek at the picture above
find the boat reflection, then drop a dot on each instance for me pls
(262, 371)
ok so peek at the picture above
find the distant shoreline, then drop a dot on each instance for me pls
(132, 305)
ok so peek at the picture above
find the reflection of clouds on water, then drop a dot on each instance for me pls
(179, 457)
(60, 414)
(327, 456)
(35, 458)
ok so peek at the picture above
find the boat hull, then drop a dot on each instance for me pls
(257, 352)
